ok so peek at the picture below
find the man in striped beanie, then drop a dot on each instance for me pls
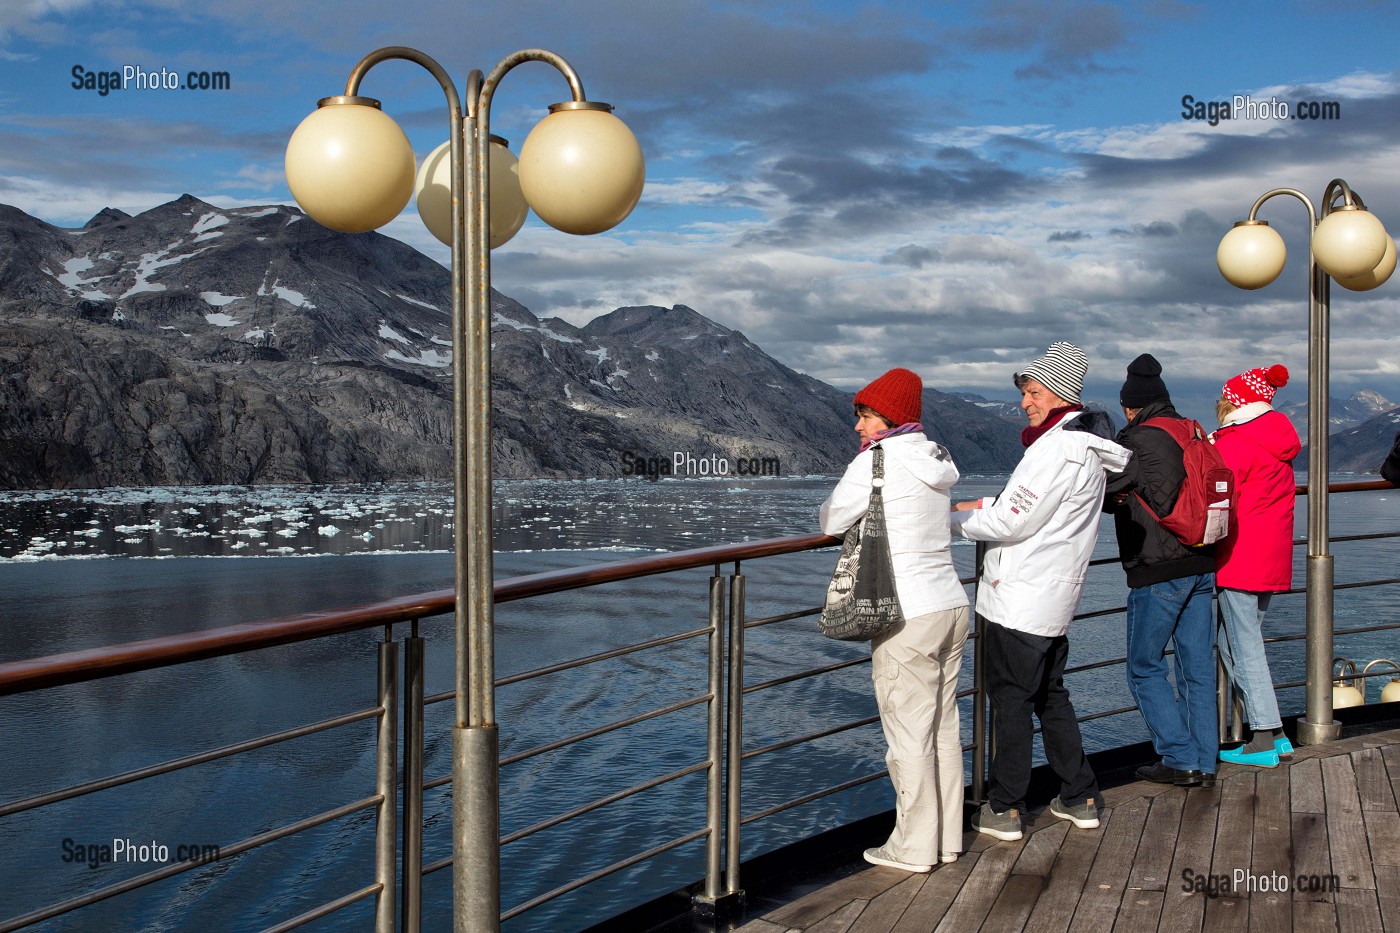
(1042, 529)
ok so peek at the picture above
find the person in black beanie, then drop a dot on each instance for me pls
(1170, 590)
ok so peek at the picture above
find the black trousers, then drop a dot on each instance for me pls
(1025, 675)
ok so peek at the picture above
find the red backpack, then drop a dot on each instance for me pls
(1202, 512)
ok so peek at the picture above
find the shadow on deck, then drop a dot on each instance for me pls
(1311, 845)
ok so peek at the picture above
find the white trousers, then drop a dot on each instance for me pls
(915, 670)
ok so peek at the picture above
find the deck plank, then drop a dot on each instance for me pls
(1331, 811)
(936, 895)
(1358, 909)
(1388, 893)
(1372, 781)
(1390, 754)
(1351, 857)
(1040, 851)
(817, 905)
(1183, 908)
(886, 909)
(1065, 883)
(1153, 863)
(1272, 910)
(1140, 911)
(1305, 785)
(979, 893)
(1108, 879)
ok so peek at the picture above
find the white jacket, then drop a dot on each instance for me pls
(1045, 523)
(918, 475)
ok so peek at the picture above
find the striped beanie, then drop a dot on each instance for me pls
(1255, 385)
(1061, 370)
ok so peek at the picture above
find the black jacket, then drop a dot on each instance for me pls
(1151, 554)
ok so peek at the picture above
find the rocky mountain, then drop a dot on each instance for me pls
(1342, 414)
(1360, 449)
(193, 345)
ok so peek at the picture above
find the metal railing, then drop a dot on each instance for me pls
(400, 816)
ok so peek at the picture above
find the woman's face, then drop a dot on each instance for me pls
(869, 424)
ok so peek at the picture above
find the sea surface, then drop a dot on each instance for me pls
(88, 568)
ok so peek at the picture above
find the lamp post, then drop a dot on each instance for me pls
(1346, 243)
(351, 168)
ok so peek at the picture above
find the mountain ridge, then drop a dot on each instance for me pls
(194, 345)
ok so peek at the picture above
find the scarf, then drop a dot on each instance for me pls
(1029, 435)
(909, 427)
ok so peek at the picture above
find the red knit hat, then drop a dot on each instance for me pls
(897, 396)
(1255, 385)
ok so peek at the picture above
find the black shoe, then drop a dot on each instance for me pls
(1161, 773)
(1192, 778)
(1158, 773)
(1207, 778)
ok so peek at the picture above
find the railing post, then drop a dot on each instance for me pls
(979, 696)
(412, 880)
(735, 752)
(1229, 711)
(707, 902)
(386, 785)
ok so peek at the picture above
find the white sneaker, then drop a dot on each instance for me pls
(881, 857)
(1084, 816)
(947, 858)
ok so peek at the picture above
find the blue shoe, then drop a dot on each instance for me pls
(1238, 756)
(1283, 747)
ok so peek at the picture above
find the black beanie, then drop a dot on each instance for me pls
(1144, 383)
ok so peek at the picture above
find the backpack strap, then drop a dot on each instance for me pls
(1182, 430)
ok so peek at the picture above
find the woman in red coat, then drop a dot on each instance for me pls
(1256, 560)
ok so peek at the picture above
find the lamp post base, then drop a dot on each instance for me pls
(476, 895)
(1315, 733)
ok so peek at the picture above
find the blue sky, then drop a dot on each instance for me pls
(854, 187)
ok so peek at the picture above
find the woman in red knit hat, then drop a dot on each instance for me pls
(915, 667)
(1256, 560)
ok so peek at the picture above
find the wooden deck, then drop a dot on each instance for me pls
(1326, 824)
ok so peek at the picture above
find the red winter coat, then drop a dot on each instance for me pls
(1259, 445)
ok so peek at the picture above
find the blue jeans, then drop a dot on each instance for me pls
(1176, 612)
(1241, 643)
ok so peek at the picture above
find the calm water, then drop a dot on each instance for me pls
(80, 570)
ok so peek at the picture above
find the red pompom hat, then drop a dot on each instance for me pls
(1255, 385)
(897, 396)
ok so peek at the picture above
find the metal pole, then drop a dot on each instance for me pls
(1318, 724)
(1222, 698)
(733, 796)
(386, 786)
(714, 785)
(979, 697)
(412, 880)
(475, 772)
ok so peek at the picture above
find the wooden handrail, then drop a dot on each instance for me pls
(93, 663)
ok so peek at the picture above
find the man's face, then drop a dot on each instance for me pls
(1037, 402)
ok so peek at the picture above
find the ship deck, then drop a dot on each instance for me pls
(1310, 845)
